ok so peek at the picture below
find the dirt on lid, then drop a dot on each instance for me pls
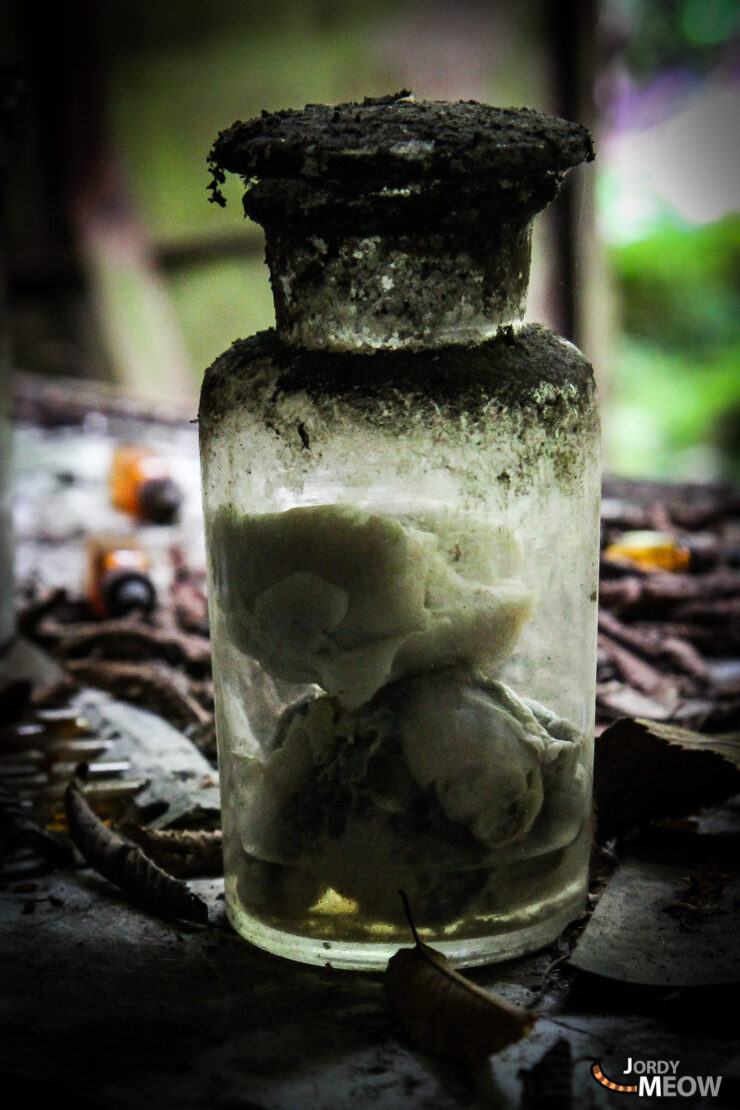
(397, 140)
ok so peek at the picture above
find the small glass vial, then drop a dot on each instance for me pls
(401, 493)
(117, 576)
(141, 484)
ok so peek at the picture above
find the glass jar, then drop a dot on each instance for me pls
(401, 493)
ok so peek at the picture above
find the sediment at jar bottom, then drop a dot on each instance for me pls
(485, 902)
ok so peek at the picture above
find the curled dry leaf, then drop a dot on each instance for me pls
(181, 852)
(445, 1014)
(145, 685)
(126, 865)
(648, 770)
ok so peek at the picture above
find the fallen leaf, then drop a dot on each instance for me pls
(181, 852)
(647, 770)
(445, 1014)
(701, 895)
(631, 938)
(126, 865)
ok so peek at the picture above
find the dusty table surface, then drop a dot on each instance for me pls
(117, 1008)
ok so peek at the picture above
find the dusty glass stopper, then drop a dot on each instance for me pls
(397, 223)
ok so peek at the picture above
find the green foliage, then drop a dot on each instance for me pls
(668, 34)
(179, 75)
(681, 287)
(220, 301)
(169, 101)
(676, 382)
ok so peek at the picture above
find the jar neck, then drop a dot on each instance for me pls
(362, 267)
(366, 292)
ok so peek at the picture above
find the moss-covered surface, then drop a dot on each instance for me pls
(542, 385)
(510, 369)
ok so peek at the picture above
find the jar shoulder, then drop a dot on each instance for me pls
(524, 368)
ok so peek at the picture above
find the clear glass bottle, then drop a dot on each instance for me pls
(401, 492)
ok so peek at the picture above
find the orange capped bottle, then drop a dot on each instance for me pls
(141, 484)
(118, 576)
(651, 551)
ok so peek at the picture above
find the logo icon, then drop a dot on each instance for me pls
(599, 1076)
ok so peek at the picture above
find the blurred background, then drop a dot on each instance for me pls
(118, 269)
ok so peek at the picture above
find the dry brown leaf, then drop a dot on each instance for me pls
(145, 685)
(184, 853)
(638, 933)
(445, 1014)
(647, 770)
(126, 865)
